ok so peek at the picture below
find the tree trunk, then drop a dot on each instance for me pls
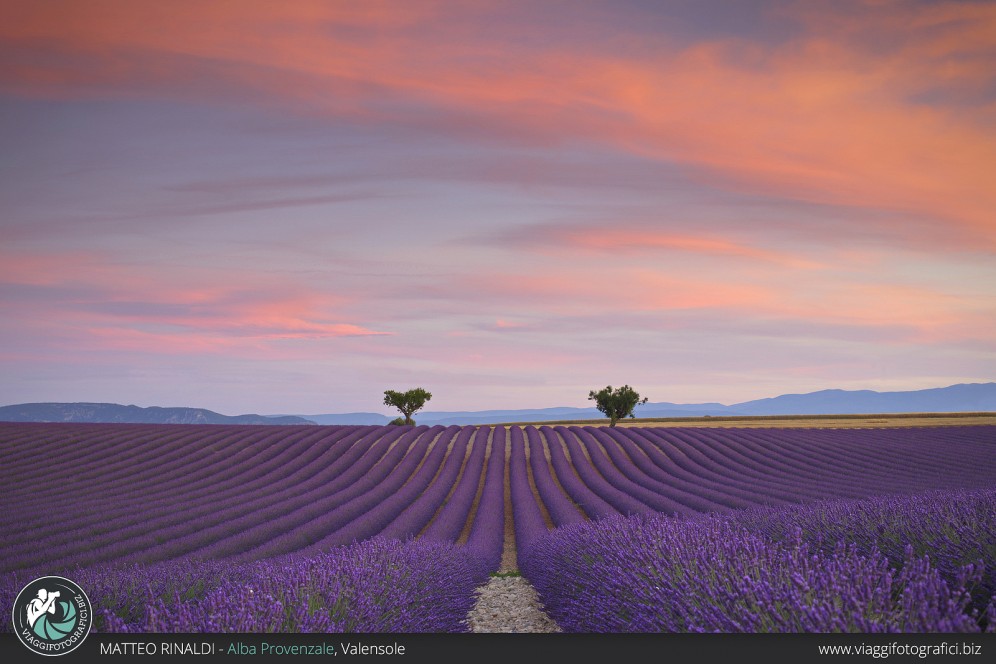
(612, 421)
(408, 420)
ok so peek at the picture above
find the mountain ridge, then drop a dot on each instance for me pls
(131, 414)
(962, 397)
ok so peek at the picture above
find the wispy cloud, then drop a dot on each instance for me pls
(140, 308)
(333, 195)
(632, 239)
(839, 114)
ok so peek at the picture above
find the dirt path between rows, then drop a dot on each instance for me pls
(509, 605)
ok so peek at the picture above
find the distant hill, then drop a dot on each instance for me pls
(112, 412)
(349, 418)
(975, 397)
(448, 418)
(972, 397)
(561, 413)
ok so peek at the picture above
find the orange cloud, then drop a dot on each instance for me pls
(136, 308)
(621, 239)
(608, 290)
(931, 315)
(835, 115)
(750, 302)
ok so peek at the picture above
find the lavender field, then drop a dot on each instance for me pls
(390, 529)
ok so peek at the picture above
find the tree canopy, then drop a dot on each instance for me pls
(407, 402)
(616, 404)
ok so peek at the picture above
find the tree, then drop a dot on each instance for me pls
(616, 404)
(407, 402)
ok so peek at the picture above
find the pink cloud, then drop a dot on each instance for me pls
(742, 301)
(831, 116)
(884, 116)
(625, 239)
(129, 307)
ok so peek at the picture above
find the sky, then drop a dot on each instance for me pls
(252, 206)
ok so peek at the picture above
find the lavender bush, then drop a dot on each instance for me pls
(527, 515)
(593, 505)
(241, 527)
(379, 585)
(658, 574)
(449, 521)
(951, 528)
(563, 511)
(420, 511)
(487, 535)
(88, 494)
(623, 502)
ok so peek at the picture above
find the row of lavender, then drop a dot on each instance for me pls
(826, 566)
(369, 480)
(378, 585)
(244, 494)
(921, 563)
(272, 501)
(895, 563)
(85, 494)
(686, 472)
